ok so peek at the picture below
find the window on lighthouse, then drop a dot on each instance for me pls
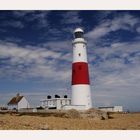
(78, 35)
(79, 54)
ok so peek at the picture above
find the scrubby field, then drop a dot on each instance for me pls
(116, 121)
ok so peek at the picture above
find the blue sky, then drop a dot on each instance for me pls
(36, 54)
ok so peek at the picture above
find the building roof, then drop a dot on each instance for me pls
(106, 107)
(78, 30)
(55, 99)
(15, 100)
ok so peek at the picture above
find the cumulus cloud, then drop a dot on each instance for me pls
(119, 57)
(125, 22)
(13, 23)
(62, 46)
(40, 17)
(115, 75)
(22, 13)
(71, 17)
(138, 29)
(40, 62)
(31, 15)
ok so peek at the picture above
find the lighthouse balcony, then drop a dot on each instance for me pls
(79, 40)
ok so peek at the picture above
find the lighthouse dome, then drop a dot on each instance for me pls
(78, 30)
(78, 33)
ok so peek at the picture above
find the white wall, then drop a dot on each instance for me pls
(23, 103)
(79, 48)
(113, 109)
(118, 108)
(81, 95)
(11, 107)
(78, 107)
(56, 102)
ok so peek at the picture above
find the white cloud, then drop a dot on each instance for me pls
(125, 22)
(138, 29)
(71, 17)
(114, 81)
(41, 17)
(32, 15)
(60, 46)
(41, 62)
(13, 23)
(121, 49)
(27, 54)
(22, 13)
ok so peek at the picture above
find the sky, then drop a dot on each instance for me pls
(36, 55)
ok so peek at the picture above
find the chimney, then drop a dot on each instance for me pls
(17, 95)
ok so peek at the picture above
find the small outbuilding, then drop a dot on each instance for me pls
(18, 102)
(112, 108)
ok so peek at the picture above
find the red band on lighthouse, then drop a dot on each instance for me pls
(80, 74)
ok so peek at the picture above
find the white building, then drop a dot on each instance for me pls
(55, 103)
(18, 102)
(112, 108)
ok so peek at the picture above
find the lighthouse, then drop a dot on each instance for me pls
(81, 94)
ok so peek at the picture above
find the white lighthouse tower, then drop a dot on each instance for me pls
(81, 95)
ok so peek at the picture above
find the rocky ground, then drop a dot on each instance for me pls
(71, 121)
